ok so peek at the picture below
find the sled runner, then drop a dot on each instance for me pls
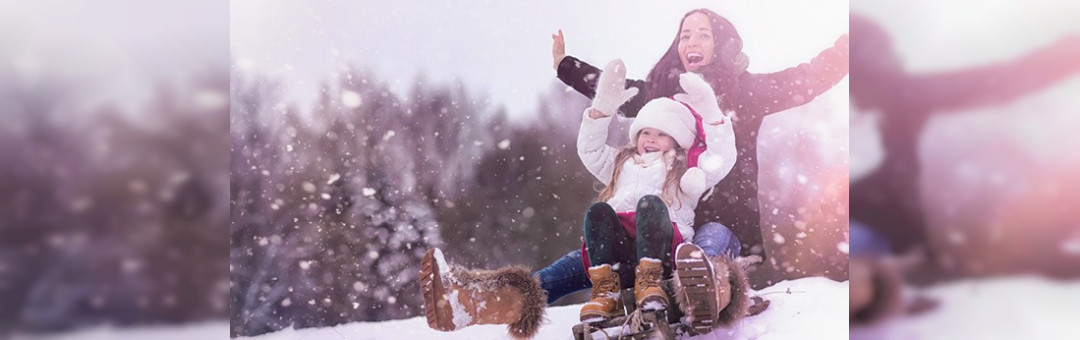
(708, 292)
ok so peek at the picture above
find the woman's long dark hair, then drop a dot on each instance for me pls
(729, 63)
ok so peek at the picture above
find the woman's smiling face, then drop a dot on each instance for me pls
(696, 44)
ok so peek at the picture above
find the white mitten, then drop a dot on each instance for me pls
(611, 91)
(693, 182)
(701, 97)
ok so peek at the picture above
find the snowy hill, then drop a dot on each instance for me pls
(808, 308)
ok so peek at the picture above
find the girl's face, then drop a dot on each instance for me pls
(696, 45)
(653, 140)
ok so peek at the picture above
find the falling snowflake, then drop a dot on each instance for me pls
(504, 144)
(350, 99)
(333, 178)
(359, 286)
(368, 192)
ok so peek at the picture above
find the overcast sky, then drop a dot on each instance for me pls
(503, 48)
(500, 48)
(114, 51)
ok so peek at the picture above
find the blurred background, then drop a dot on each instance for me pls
(113, 184)
(364, 134)
(964, 146)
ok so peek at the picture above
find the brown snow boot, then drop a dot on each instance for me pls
(647, 291)
(456, 297)
(711, 292)
(604, 299)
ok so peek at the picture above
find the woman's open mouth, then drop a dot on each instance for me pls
(694, 58)
(649, 149)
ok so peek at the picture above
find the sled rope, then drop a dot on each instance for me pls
(789, 291)
(589, 330)
(634, 321)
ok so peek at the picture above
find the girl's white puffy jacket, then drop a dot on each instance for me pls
(644, 174)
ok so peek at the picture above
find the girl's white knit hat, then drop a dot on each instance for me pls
(669, 116)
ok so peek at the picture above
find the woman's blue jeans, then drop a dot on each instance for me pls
(567, 274)
(715, 239)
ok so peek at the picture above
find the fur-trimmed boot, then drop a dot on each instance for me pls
(605, 293)
(711, 291)
(647, 291)
(456, 297)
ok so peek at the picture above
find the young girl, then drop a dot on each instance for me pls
(653, 186)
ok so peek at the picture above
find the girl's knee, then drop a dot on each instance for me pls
(650, 200)
(600, 208)
(651, 203)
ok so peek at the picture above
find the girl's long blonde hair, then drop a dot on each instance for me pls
(675, 171)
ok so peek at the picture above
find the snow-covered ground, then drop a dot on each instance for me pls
(205, 330)
(999, 308)
(808, 308)
(816, 308)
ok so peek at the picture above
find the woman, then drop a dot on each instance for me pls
(708, 44)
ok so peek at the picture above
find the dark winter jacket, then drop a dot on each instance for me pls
(734, 201)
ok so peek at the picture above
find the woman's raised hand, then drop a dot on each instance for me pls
(611, 91)
(558, 49)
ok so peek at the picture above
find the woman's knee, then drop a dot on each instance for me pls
(715, 238)
(714, 229)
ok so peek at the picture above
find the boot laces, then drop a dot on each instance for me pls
(649, 277)
(604, 288)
